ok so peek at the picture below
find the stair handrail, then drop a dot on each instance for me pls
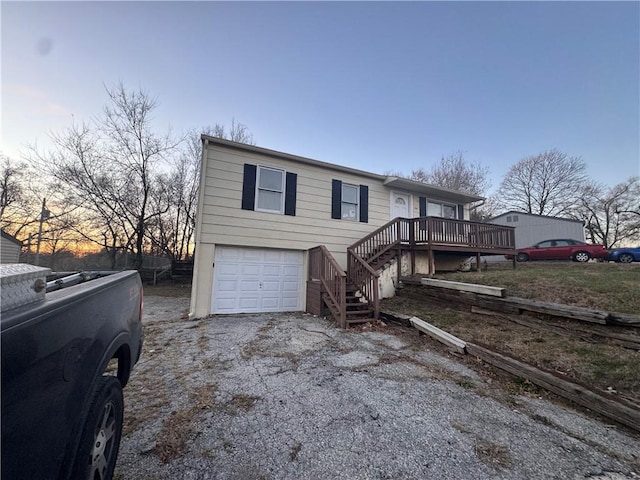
(365, 279)
(384, 236)
(362, 261)
(333, 280)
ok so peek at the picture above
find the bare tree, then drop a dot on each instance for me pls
(173, 231)
(89, 182)
(550, 183)
(19, 200)
(135, 149)
(456, 173)
(237, 133)
(610, 215)
(132, 189)
(108, 170)
(10, 187)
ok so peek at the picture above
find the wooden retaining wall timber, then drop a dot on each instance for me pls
(627, 341)
(604, 403)
(440, 291)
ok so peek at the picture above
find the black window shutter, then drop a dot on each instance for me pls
(336, 199)
(249, 187)
(364, 203)
(460, 212)
(290, 194)
(423, 213)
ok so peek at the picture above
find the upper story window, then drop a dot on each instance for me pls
(270, 190)
(349, 204)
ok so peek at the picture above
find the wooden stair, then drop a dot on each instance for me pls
(357, 310)
(379, 261)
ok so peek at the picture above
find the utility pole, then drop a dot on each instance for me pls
(44, 214)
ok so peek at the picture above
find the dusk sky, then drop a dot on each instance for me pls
(376, 86)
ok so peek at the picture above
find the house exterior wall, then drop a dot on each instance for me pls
(221, 220)
(9, 250)
(225, 223)
(531, 229)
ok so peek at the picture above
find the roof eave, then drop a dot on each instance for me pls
(287, 156)
(431, 190)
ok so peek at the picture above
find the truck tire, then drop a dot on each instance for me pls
(100, 439)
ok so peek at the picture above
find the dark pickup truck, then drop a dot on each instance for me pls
(67, 353)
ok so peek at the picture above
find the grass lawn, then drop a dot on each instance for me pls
(610, 287)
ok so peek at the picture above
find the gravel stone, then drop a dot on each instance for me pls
(290, 396)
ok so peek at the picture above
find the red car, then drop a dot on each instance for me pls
(560, 249)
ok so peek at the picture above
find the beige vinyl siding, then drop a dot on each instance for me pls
(222, 221)
(9, 251)
(225, 223)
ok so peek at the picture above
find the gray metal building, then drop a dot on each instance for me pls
(531, 229)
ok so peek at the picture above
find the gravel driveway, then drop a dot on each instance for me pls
(289, 396)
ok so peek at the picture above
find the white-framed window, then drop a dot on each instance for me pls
(443, 210)
(349, 204)
(270, 187)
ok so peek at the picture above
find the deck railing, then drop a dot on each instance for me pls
(365, 279)
(324, 268)
(443, 231)
(399, 234)
(426, 231)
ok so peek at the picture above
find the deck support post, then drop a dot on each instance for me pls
(412, 245)
(432, 261)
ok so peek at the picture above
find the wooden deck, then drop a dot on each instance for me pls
(401, 235)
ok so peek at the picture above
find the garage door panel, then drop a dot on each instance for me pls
(251, 255)
(270, 303)
(270, 287)
(227, 269)
(249, 303)
(291, 271)
(250, 269)
(229, 254)
(273, 256)
(272, 270)
(250, 280)
(227, 286)
(248, 286)
(290, 287)
(289, 304)
(226, 305)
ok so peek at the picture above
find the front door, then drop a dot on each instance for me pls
(400, 205)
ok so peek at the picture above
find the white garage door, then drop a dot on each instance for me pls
(248, 280)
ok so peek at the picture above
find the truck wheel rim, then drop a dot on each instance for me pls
(103, 443)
